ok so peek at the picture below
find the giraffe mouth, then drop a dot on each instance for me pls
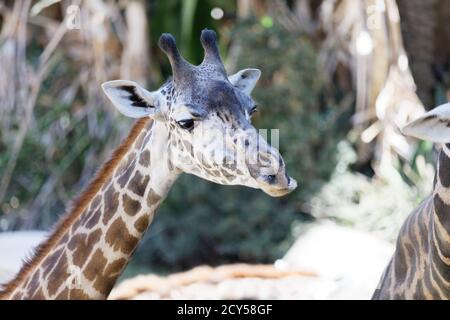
(274, 190)
(276, 184)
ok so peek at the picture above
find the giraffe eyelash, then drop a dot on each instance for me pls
(187, 124)
(253, 110)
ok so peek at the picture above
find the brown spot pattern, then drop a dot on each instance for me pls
(95, 266)
(444, 170)
(50, 262)
(94, 219)
(63, 295)
(58, 275)
(95, 203)
(130, 206)
(119, 239)
(101, 275)
(33, 286)
(153, 198)
(141, 224)
(138, 183)
(77, 294)
(39, 295)
(144, 159)
(84, 246)
(116, 267)
(111, 199)
(123, 179)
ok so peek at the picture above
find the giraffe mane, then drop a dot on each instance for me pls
(76, 210)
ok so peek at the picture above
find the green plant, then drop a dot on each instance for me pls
(377, 205)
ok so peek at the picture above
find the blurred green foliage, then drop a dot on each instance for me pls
(201, 222)
(353, 199)
(60, 152)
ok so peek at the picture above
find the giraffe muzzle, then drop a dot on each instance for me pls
(277, 185)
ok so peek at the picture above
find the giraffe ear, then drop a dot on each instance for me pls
(245, 80)
(433, 125)
(131, 99)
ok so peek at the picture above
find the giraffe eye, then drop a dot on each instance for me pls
(254, 109)
(187, 124)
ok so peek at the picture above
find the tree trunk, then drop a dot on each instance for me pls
(419, 22)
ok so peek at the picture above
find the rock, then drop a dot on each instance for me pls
(234, 281)
(326, 262)
(351, 259)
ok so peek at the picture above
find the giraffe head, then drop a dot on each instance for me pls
(207, 116)
(433, 126)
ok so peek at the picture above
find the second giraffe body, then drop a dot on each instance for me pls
(420, 267)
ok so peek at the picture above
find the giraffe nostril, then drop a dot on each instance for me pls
(271, 178)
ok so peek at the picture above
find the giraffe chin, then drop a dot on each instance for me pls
(274, 191)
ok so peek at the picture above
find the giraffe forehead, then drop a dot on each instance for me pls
(220, 93)
(218, 96)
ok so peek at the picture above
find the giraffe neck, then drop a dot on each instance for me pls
(440, 228)
(441, 190)
(93, 250)
(420, 267)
